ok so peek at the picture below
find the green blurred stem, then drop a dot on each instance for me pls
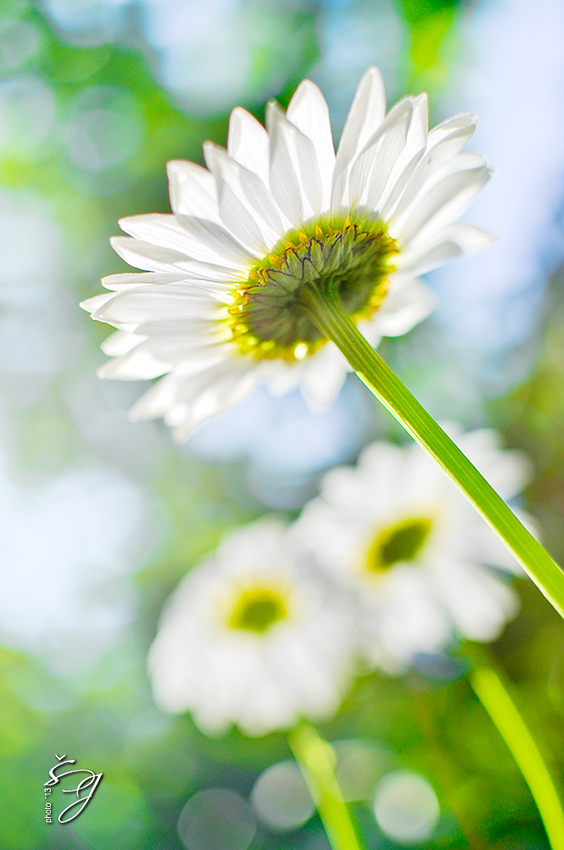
(332, 320)
(315, 758)
(494, 694)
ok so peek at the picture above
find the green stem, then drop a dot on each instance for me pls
(315, 758)
(495, 697)
(330, 318)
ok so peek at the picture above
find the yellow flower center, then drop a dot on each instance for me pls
(400, 543)
(337, 254)
(258, 609)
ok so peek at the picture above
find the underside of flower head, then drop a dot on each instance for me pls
(222, 300)
(338, 256)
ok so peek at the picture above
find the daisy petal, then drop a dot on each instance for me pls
(248, 143)
(294, 175)
(116, 282)
(243, 201)
(308, 111)
(407, 303)
(217, 393)
(133, 366)
(323, 377)
(449, 243)
(216, 244)
(93, 304)
(121, 342)
(371, 170)
(192, 190)
(144, 255)
(441, 205)
(198, 238)
(365, 116)
(138, 305)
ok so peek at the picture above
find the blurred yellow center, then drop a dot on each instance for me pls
(348, 255)
(257, 610)
(399, 543)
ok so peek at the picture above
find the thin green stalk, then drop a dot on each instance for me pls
(314, 756)
(495, 697)
(330, 318)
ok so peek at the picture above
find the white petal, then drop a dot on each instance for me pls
(192, 190)
(248, 143)
(226, 391)
(154, 357)
(436, 165)
(323, 376)
(120, 343)
(198, 326)
(372, 168)
(371, 171)
(93, 304)
(193, 270)
(159, 399)
(479, 603)
(294, 175)
(196, 238)
(147, 303)
(217, 245)
(246, 207)
(365, 116)
(116, 282)
(460, 126)
(144, 255)
(408, 160)
(187, 400)
(281, 377)
(453, 241)
(407, 303)
(443, 204)
(234, 212)
(137, 365)
(308, 111)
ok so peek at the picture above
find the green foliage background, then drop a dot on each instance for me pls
(103, 714)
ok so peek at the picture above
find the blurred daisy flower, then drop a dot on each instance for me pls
(414, 555)
(249, 639)
(223, 301)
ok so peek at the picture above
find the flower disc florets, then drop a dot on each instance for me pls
(336, 255)
(401, 543)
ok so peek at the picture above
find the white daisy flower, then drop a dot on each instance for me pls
(412, 551)
(220, 305)
(249, 639)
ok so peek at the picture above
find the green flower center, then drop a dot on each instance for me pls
(336, 255)
(400, 543)
(257, 610)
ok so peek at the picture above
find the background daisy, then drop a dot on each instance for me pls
(397, 532)
(248, 638)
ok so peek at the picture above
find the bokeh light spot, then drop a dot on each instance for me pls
(216, 818)
(27, 113)
(105, 130)
(19, 41)
(281, 798)
(406, 807)
(360, 763)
